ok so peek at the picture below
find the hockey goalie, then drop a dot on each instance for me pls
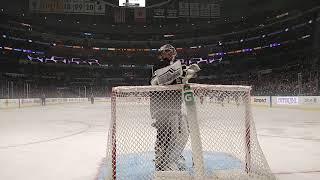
(163, 132)
(165, 107)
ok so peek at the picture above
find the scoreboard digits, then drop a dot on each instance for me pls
(68, 6)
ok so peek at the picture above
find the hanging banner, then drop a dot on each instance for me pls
(194, 10)
(204, 10)
(119, 15)
(183, 9)
(199, 10)
(215, 10)
(172, 13)
(158, 13)
(140, 15)
(89, 7)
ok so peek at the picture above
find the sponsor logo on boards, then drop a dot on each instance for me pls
(260, 100)
(310, 100)
(287, 100)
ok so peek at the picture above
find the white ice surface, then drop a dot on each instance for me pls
(68, 142)
(290, 140)
(53, 143)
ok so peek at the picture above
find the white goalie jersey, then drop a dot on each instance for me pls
(174, 72)
(168, 74)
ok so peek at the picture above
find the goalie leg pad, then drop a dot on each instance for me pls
(172, 137)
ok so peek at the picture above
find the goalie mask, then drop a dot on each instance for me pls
(167, 52)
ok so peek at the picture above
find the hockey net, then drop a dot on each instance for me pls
(156, 134)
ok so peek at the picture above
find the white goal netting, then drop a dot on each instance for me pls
(163, 132)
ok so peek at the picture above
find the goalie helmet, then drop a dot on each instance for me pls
(167, 51)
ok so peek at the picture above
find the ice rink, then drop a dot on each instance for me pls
(68, 142)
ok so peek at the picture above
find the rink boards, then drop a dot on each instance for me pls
(293, 102)
(19, 103)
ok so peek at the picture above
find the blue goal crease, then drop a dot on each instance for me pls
(135, 166)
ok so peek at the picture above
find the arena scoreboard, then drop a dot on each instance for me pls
(132, 3)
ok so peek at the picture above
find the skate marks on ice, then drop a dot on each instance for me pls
(53, 142)
(83, 128)
(290, 139)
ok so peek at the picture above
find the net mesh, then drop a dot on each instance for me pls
(153, 134)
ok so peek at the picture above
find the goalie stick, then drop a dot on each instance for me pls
(192, 119)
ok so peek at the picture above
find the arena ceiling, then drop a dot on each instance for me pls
(230, 7)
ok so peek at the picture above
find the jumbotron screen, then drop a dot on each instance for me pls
(132, 3)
